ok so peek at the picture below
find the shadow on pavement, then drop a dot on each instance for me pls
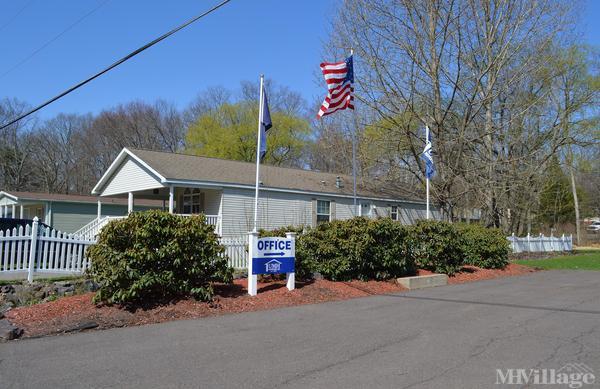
(508, 305)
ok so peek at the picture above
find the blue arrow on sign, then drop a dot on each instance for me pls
(274, 254)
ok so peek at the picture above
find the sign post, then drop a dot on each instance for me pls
(272, 255)
(252, 278)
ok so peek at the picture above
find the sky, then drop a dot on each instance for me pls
(281, 38)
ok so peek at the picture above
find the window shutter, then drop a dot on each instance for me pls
(314, 212)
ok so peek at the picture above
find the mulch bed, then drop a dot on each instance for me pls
(77, 313)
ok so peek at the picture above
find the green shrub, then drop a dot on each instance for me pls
(484, 247)
(439, 246)
(357, 248)
(157, 255)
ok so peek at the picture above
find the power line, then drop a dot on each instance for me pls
(114, 65)
(16, 15)
(53, 39)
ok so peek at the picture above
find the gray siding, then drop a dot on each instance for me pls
(277, 209)
(212, 201)
(69, 217)
(130, 177)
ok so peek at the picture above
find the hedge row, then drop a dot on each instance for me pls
(154, 255)
(380, 249)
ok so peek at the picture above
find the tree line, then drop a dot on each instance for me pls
(505, 87)
(510, 96)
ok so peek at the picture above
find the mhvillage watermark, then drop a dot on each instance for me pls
(573, 375)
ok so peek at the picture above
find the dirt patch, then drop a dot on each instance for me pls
(77, 313)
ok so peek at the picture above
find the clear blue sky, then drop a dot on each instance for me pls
(281, 38)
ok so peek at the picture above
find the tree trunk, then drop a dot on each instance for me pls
(575, 199)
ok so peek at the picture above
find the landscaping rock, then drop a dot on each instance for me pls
(317, 276)
(88, 325)
(90, 286)
(6, 306)
(8, 331)
(63, 290)
(6, 289)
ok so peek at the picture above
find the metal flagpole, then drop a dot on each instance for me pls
(354, 149)
(426, 175)
(258, 140)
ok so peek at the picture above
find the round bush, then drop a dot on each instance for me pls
(484, 247)
(358, 248)
(155, 255)
(439, 246)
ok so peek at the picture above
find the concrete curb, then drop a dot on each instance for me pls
(420, 282)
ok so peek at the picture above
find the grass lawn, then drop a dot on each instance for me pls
(581, 260)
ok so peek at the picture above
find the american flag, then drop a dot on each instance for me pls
(340, 79)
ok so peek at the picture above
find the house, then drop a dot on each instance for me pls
(66, 213)
(224, 191)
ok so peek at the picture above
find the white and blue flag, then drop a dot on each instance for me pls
(265, 124)
(426, 156)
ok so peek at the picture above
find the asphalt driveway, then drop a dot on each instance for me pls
(447, 337)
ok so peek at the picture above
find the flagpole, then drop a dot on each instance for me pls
(258, 140)
(426, 175)
(354, 150)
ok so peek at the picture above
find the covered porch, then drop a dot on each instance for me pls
(180, 200)
(15, 208)
(134, 179)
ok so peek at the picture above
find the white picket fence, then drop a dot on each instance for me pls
(541, 243)
(33, 249)
(236, 249)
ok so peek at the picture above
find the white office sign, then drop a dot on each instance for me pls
(271, 255)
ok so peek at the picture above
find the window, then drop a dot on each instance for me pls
(394, 212)
(323, 211)
(192, 201)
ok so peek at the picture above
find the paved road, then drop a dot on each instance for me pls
(447, 337)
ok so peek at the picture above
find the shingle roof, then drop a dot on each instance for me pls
(183, 167)
(59, 197)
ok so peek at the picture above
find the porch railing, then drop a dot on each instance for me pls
(91, 230)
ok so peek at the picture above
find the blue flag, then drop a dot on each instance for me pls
(265, 124)
(426, 156)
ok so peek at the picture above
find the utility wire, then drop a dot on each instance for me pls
(15, 16)
(63, 32)
(114, 65)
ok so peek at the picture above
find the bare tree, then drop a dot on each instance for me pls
(474, 72)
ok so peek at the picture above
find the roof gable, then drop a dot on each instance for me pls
(128, 173)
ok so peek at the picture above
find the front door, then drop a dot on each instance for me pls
(365, 209)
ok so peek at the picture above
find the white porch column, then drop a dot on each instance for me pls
(14, 211)
(99, 209)
(130, 202)
(171, 198)
(48, 217)
(22, 213)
